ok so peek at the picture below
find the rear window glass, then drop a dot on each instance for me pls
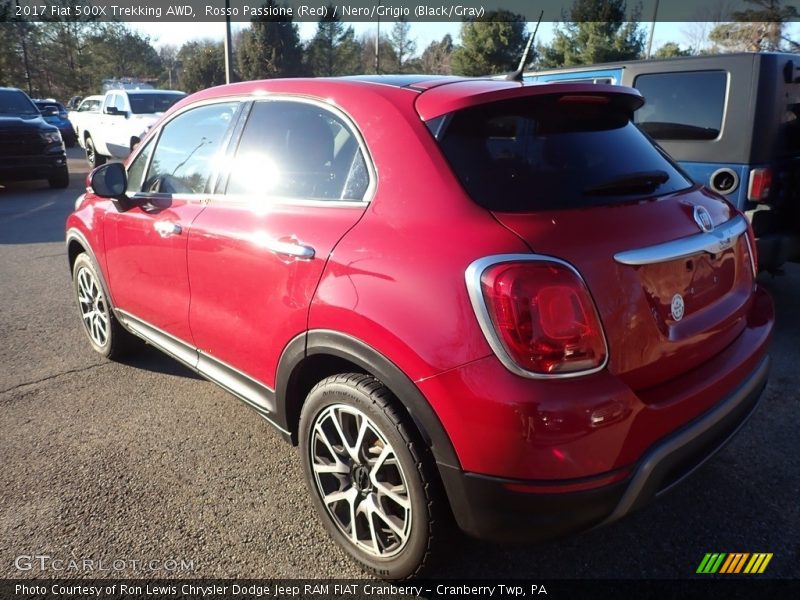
(538, 154)
(152, 103)
(682, 106)
(43, 105)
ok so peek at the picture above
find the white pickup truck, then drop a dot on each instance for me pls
(124, 117)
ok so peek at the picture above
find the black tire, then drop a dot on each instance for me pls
(101, 327)
(92, 156)
(59, 181)
(376, 486)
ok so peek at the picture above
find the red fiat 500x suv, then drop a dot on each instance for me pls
(497, 300)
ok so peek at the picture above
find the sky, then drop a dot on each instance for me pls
(423, 33)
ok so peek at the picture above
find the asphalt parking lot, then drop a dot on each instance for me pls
(144, 461)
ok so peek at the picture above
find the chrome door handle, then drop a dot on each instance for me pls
(291, 248)
(167, 228)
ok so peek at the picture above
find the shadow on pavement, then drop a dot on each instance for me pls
(33, 213)
(149, 358)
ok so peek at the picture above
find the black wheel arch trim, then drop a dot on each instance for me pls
(75, 235)
(344, 346)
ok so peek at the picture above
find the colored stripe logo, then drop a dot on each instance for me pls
(734, 563)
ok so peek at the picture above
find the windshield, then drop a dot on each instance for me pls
(16, 103)
(152, 103)
(545, 153)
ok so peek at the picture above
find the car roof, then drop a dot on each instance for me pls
(414, 81)
(431, 95)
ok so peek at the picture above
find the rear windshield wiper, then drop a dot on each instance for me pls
(643, 182)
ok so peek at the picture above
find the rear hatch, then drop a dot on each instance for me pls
(667, 263)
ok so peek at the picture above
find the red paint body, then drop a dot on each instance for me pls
(390, 273)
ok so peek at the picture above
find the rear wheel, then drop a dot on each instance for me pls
(60, 180)
(92, 157)
(367, 475)
(105, 334)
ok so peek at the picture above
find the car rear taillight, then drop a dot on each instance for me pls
(760, 183)
(541, 319)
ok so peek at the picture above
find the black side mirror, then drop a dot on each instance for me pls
(113, 110)
(111, 181)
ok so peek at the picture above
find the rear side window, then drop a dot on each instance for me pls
(682, 106)
(547, 153)
(89, 106)
(152, 103)
(298, 150)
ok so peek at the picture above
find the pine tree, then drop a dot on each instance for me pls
(490, 44)
(756, 29)
(596, 31)
(270, 48)
(404, 46)
(333, 50)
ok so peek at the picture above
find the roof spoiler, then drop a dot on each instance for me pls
(517, 75)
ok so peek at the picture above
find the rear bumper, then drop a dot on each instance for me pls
(519, 510)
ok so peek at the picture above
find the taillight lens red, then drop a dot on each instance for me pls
(544, 317)
(760, 183)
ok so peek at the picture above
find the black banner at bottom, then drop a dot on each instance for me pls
(321, 589)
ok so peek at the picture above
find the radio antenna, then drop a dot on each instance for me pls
(517, 75)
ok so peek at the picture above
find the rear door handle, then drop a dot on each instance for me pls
(167, 228)
(291, 248)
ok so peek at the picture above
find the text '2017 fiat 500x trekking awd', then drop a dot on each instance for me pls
(497, 300)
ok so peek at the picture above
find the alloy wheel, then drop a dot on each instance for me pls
(360, 481)
(94, 309)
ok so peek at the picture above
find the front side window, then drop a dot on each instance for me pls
(188, 150)
(119, 103)
(298, 150)
(139, 164)
(554, 152)
(682, 106)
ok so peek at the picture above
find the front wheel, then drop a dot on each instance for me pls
(367, 475)
(60, 180)
(105, 334)
(92, 156)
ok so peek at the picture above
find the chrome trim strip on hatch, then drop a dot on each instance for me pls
(473, 279)
(713, 242)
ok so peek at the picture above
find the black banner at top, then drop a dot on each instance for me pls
(188, 11)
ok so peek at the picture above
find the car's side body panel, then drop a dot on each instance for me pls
(145, 251)
(248, 298)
